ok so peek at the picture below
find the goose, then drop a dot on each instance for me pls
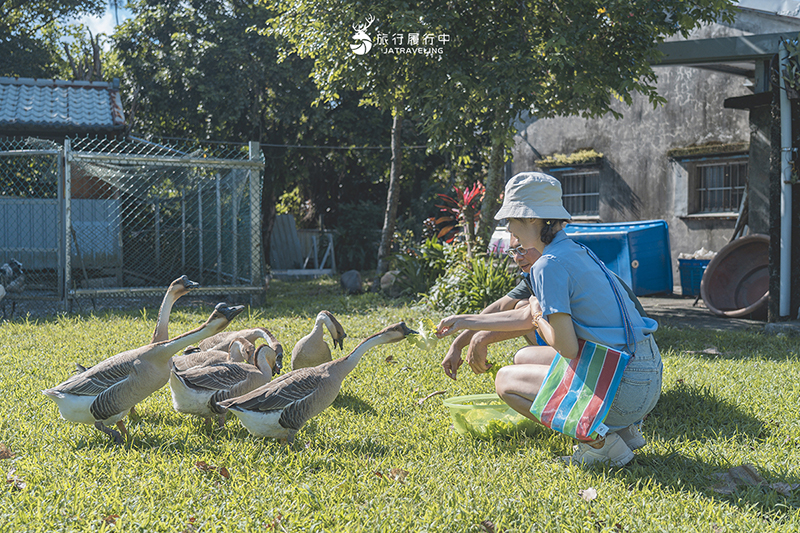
(12, 281)
(103, 394)
(312, 350)
(281, 407)
(241, 351)
(224, 340)
(193, 388)
(176, 289)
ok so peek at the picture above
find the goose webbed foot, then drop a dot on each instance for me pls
(110, 432)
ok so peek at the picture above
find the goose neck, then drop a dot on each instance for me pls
(351, 361)
(173, 346)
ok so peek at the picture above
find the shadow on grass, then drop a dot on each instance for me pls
(353, 403)
(694, 413)
(674, 472)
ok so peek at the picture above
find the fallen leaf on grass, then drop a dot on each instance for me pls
(5, 452)
(487, 526)
(390, 359)
(398, 474)
(747, 476)
(111, 519)
(429, 396)
(276, 523)
(588, 494)
(14, 480)
(205, 467)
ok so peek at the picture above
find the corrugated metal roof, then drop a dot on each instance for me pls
(782, 8)
(60, 104)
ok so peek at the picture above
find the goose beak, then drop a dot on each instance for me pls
(189, 284)
(340, 340)
(406, 330)
(229, 312)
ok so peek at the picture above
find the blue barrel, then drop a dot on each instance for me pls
(638, 252)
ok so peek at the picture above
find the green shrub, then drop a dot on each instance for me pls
(420, 268)
(470, 285)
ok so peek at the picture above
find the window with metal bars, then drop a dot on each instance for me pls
(720, 185)
(580, 190)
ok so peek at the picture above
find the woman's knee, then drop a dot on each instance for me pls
(535, 355)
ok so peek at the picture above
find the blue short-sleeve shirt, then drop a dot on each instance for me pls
(567, 280)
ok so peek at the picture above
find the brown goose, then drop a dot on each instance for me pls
(104, 394)
(176, 289)
(312, 350)
(193, 388)
(281, 407)
(241, 351)
(223, 340)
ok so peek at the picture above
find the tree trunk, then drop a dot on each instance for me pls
(495, 183)
(393, 195)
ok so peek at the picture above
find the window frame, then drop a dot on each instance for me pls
(694, 167)
(560, 173)
(685, 171)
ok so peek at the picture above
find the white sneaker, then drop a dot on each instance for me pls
(614, 452)
(632, 435)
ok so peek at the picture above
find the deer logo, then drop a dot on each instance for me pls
(364, 43)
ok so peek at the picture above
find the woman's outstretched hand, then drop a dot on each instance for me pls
(448, 326)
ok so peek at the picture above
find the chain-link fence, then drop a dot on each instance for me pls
(134, 215)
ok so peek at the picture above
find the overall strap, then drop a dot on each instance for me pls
(630, 335)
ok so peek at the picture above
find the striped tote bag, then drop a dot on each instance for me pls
(576, 394)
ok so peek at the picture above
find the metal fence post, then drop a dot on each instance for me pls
(67, 225)
(200, 226)
(255, 216)
(219, 228)
(61, 226)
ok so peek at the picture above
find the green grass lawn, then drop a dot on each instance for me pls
(378, 460)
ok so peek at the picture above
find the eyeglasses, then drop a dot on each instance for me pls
(519, 250)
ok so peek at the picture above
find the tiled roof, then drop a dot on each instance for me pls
(60, 105)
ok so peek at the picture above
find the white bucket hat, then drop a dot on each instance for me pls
(533, 195)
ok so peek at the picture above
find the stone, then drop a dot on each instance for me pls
(388, 279)
(351, 282)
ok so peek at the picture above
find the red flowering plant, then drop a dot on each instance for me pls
(462, 211)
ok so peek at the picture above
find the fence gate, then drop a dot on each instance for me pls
(134, 215)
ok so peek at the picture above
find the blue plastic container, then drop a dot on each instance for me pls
(692, 271)
(638, 252)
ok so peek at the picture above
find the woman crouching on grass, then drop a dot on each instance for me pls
(575, 301)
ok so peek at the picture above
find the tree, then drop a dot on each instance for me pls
(30, 31)
(321, 30)
(195, 71)
(505, 58)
